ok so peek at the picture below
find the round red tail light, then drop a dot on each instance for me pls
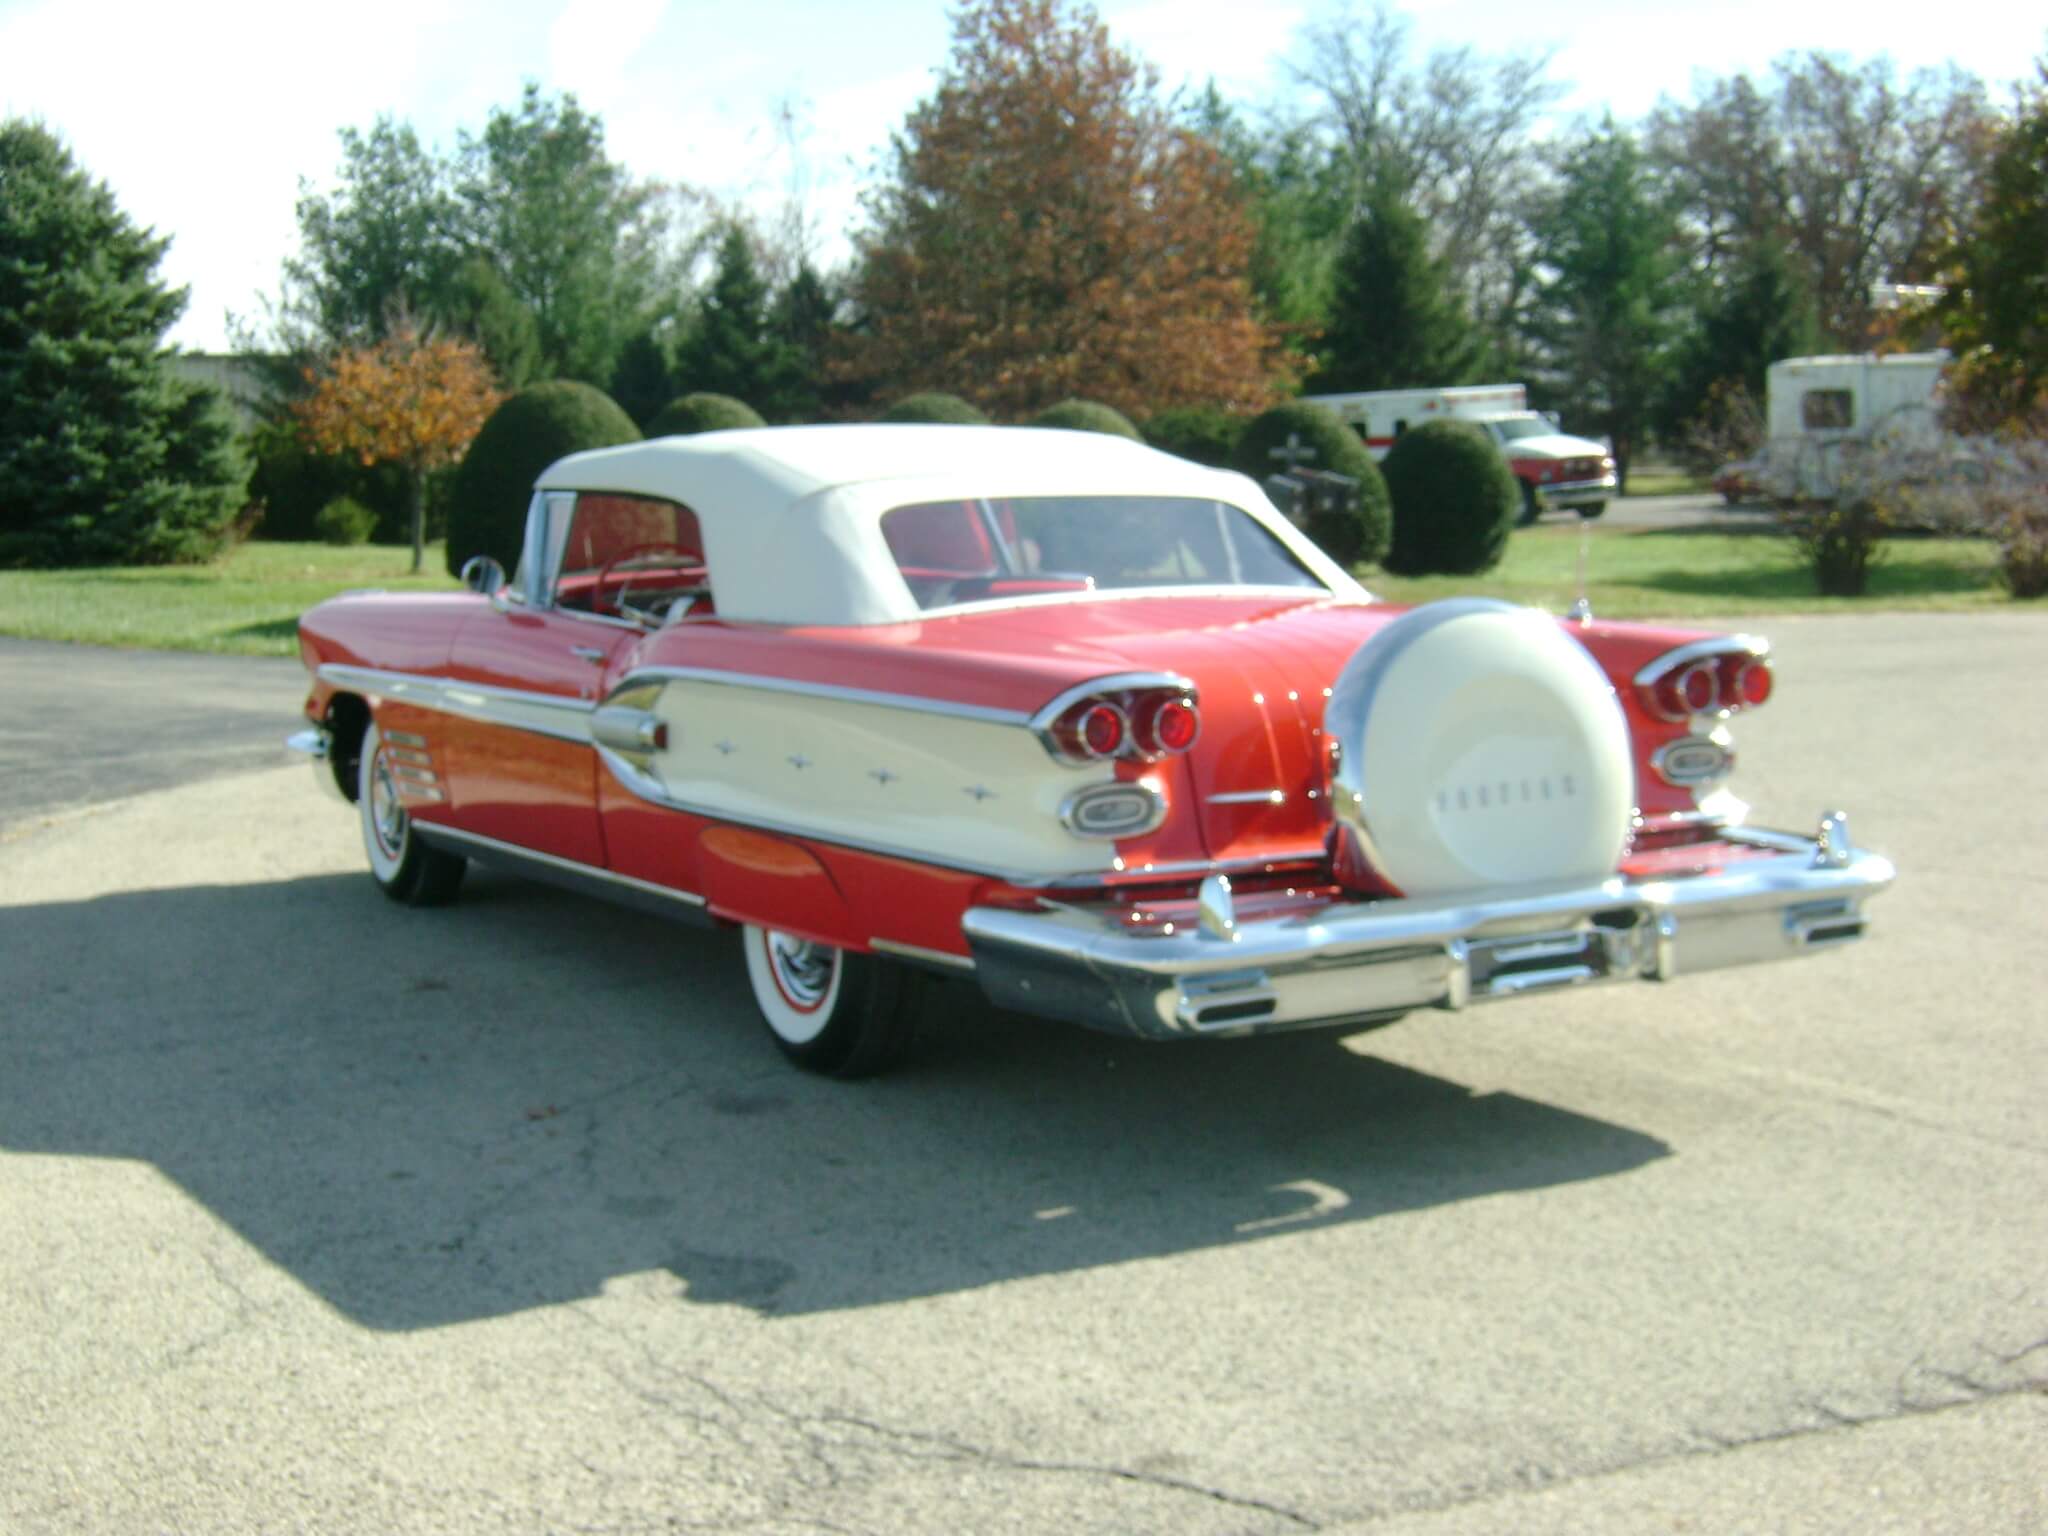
(1753, 684)
(1699, 688)
(1175, 725)
(1101, 730)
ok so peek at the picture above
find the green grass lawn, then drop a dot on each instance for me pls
(1699, 572)
(249, 601)
(246, 603)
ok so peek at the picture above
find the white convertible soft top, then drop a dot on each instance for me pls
(791, 516)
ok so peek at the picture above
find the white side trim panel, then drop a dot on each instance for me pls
(955, 790)
(958, 787)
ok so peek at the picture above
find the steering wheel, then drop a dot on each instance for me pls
(639, 554)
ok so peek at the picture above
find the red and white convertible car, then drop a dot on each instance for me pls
(1085, 722)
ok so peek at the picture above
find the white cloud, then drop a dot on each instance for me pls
(1233, 42)
(206, 143)
(592, 42)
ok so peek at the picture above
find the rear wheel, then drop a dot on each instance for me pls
(831, 1011)
(1592, 509)
(404, 867)
(1531, 509)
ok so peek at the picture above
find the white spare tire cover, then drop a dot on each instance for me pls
(1480, 745)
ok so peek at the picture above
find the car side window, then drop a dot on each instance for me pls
(632, 557)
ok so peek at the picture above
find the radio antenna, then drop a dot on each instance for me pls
(1581, 611)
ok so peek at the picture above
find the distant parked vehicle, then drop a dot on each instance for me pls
(1740, 481)
(1555, 469)
(1833, 421)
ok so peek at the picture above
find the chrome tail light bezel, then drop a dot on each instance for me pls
(1726, 662)
(1136, 697)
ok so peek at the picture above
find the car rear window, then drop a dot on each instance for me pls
(977, 550)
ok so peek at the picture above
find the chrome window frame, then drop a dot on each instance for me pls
(540, 548)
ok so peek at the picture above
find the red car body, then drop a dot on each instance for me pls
(1119, 800)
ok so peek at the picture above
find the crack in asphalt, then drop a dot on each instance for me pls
(1715, 1444)
(820, 1443)
(948, 1448)
(818, 1447)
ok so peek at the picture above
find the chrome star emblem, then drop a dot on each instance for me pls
(725, 748)
(798, 761)
(882, 776)
(979, 791)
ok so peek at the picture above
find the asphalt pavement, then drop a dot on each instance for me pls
(317, 1213)
(83, 724)
(1672, 512)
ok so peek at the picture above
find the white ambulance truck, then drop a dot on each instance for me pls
(1555, 469)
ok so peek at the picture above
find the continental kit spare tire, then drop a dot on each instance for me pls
(1480, 746)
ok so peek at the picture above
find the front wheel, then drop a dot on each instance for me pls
(1531, 507)
(830, 1011)
(1592, 509)
(405, 868)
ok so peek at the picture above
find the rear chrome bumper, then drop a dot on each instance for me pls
(1360, 960)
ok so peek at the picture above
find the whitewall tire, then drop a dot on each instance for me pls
(830, 1010)
(404, 867)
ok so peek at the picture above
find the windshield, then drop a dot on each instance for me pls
(1508, 428)
(971, 551)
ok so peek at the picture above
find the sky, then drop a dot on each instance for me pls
(204, 117)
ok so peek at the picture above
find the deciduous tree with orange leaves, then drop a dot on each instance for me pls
(1048, 231)
(409, 400)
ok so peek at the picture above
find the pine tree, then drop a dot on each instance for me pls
(1606, 316)
(1394, 323)
(730, 351)
(804, 321)
(105, 456)
(1761, 315)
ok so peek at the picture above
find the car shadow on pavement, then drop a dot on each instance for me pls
(434, 1117)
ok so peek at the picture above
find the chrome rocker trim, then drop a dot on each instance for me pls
(1353, 961)
(645, 895)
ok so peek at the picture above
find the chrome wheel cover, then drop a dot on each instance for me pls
(387, 818)
(804, 971)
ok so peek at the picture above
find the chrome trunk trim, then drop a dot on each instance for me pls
(823, 691)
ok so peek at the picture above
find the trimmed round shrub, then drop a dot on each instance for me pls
(345, 520)
(1087, 416)
(532, 429)
(687, 415)
(1325, 443)
(948, 410)
(1207, 434)
(1455, 499)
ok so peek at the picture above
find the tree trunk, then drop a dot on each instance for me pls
(416, 482)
